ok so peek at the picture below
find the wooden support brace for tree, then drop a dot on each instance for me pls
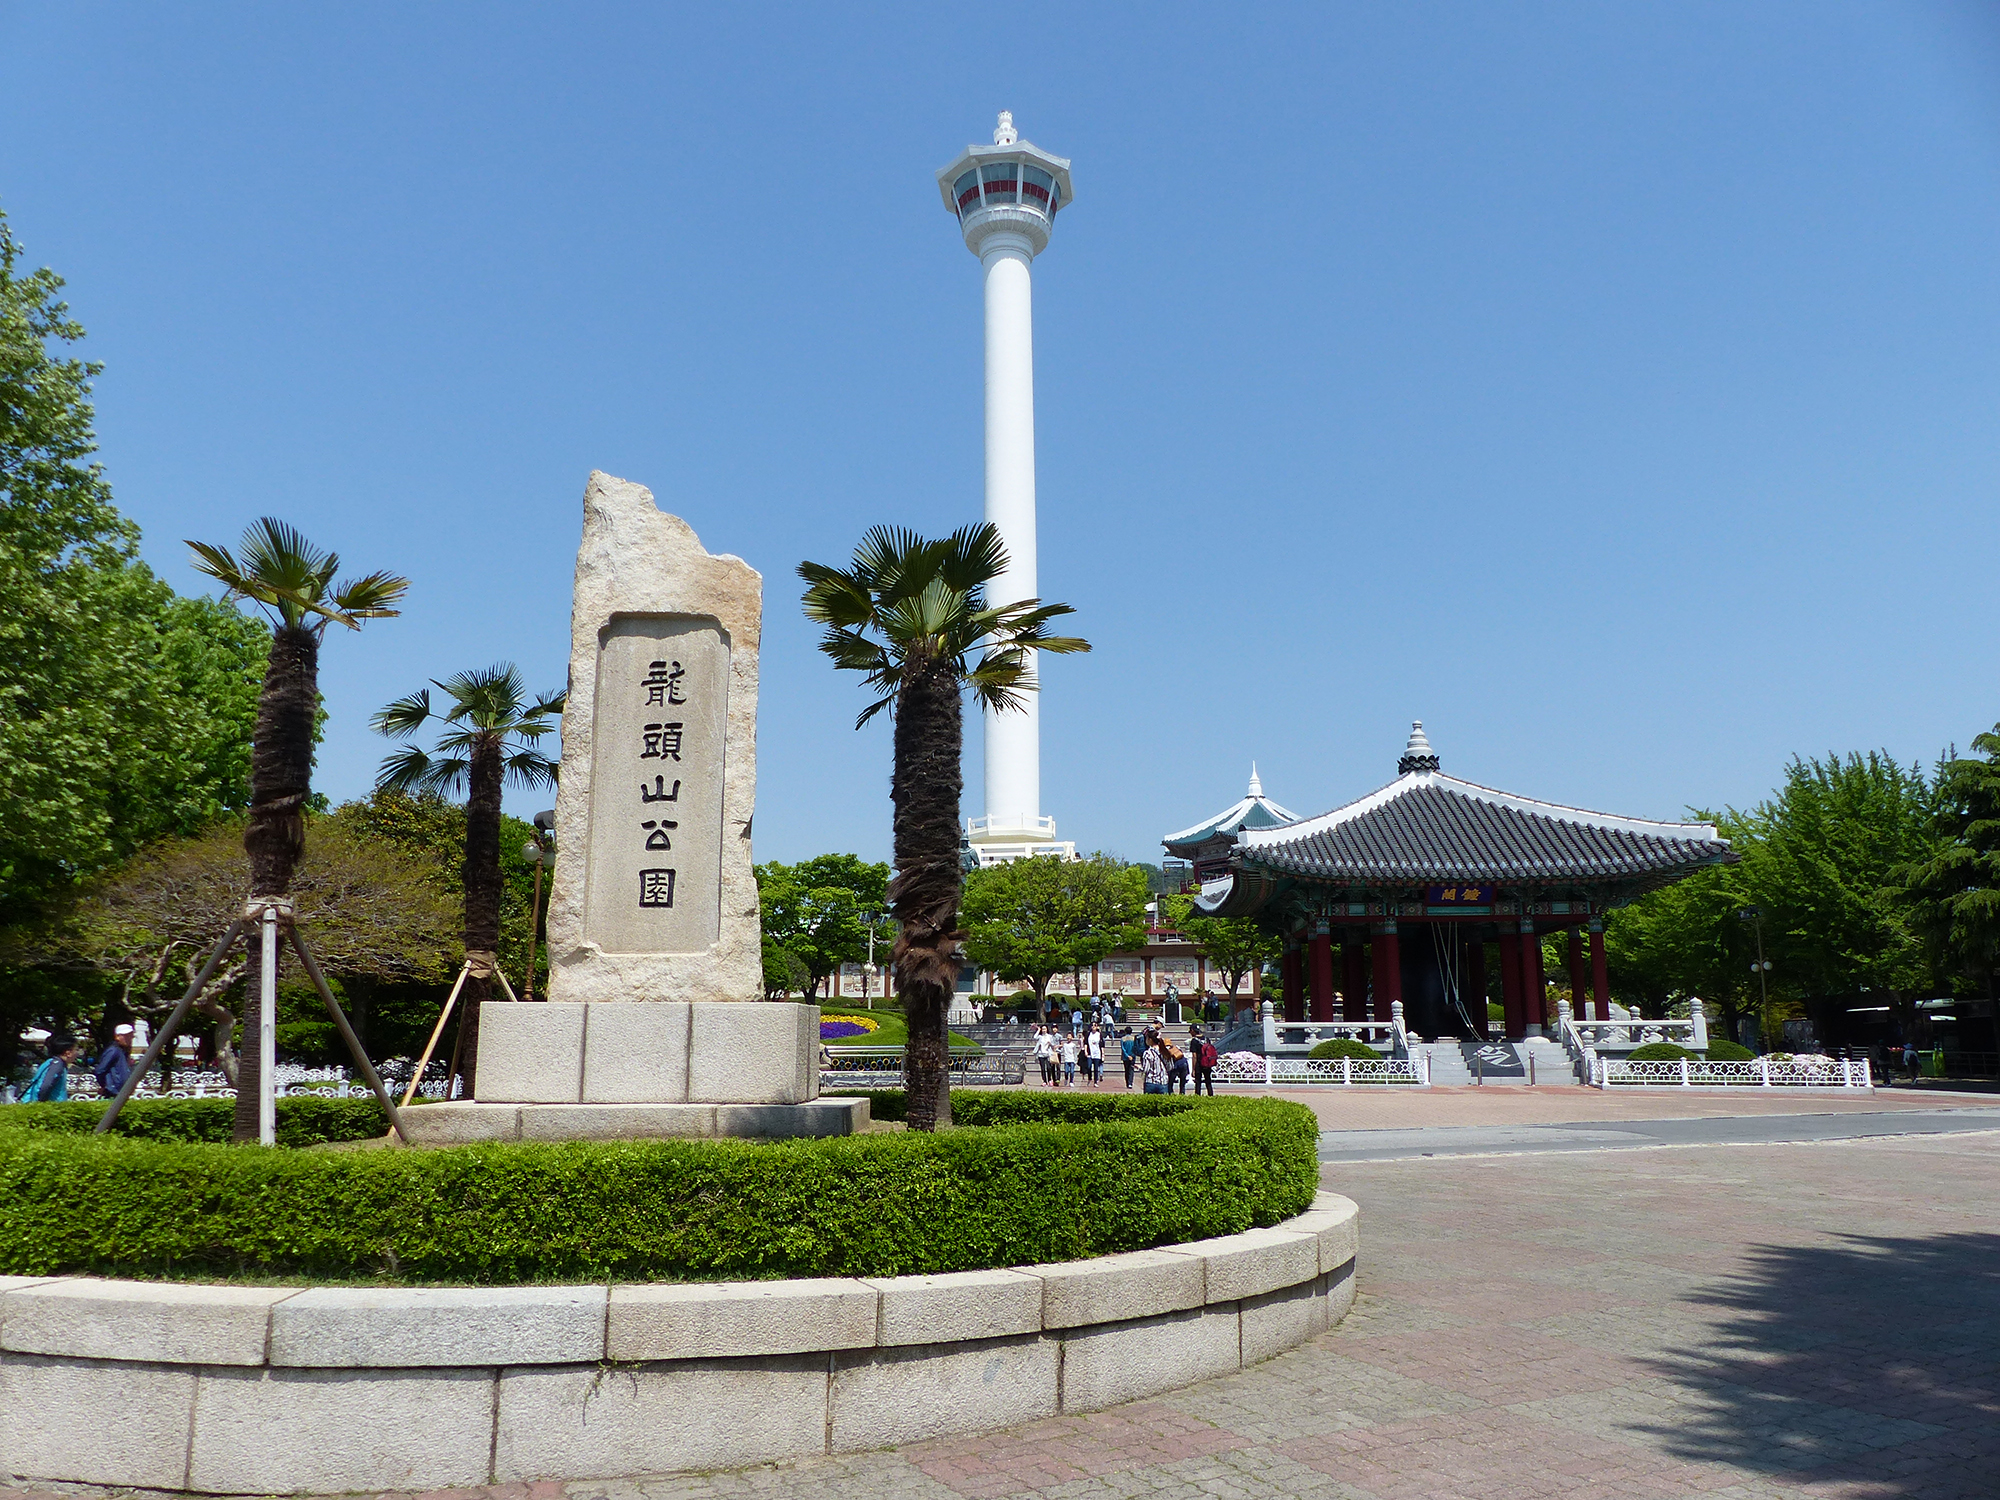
(437, 1031)
(347, 1035)
(168, 1027)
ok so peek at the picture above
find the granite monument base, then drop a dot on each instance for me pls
(465, 1121)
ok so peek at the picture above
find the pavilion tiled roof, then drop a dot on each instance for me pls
(1426, 826)
(1253, 810)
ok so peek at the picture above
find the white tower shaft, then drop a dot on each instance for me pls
(1013, 738)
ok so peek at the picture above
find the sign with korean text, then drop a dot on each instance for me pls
(1459, 895)
(656, 780)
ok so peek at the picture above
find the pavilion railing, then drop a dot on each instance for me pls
(882, 1067)
(1809, 1072)
(1282, 1036)
(1296, 1072)
(1624, 1035)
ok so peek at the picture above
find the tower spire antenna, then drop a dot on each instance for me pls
(1256, 785)
(1006, 198)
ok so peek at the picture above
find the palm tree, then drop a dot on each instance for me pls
(489, 737)
(292, 582)
(908, 615)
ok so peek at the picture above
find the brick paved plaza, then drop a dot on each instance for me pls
(1731, 1321)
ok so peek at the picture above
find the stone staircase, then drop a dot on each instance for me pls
(1456, 1063)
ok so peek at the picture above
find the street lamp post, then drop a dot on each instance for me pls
(539, 851)
(1755, 916)
(868, 970)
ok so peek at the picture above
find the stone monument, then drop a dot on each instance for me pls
(655, 1022)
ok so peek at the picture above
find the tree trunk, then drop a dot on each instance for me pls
(281, 755)
(924, 899)
(482, 894)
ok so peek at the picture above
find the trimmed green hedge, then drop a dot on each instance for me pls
(1346, 1046)
(871, 1205)
(992, 1107)
(1724, 1051)
(302, 1119)
(1662, 1052)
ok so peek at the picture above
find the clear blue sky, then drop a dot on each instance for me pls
(1611, 387)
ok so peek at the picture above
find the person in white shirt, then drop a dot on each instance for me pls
(1069, 1060)
(1045, 1053)
(1095, 1056)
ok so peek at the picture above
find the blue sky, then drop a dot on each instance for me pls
(1611, 387)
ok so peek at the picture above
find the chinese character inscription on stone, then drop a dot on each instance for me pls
(656, 834)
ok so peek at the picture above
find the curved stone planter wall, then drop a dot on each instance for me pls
(262, 1390)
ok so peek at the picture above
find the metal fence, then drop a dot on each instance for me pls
(882, 1067)
(1762, 1072)
(1295, 1072)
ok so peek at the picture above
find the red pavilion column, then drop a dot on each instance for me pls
(1577, 978)
(1353, 980)
(1510, 981)
(1387, 963)
(1319, 967)
(1534, 982)
(1600, 977)
(1295, 989)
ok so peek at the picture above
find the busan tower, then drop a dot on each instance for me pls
(1005, 197)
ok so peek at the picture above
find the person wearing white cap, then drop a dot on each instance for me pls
(114, 1063)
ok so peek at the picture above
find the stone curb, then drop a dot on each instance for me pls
(269, 1390)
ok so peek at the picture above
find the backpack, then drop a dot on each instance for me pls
(1206, 1054)
(33, 1093)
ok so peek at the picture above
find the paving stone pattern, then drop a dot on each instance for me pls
(1736, 1322)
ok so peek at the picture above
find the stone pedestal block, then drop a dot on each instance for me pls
(649, 1052)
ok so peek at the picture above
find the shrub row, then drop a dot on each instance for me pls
(302, 1119)
(993, 1107)
(872, 1205)
(1345, 1046)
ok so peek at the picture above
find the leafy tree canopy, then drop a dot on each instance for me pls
(1952, 893)
(1233, 946)
(125, 713)
(813, 916)
(1036, 918)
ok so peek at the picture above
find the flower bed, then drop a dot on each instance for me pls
(836, 1028)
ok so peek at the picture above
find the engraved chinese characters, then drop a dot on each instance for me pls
(657, 784)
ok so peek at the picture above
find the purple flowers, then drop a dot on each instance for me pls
(834, 1030)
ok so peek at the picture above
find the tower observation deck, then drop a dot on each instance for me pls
(1006, 197)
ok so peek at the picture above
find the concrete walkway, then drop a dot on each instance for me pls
(1741, 1321)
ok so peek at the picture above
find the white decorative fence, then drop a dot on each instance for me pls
(1763, 1072)
(288, 1080)
(1296, 1072)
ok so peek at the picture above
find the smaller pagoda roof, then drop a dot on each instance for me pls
(1254, 811)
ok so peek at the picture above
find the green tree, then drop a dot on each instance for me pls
(293, 582)
(1235, 946)
(909, 614)
(1687, 939)
(487, 737)
(374, 911)
(124, 712)
(1952, 895)
(1036, 918)
(813, 910)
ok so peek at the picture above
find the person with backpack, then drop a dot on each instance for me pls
(1205, 1058)
(51, 1081)
(1153, 1060)
(1177, 1066)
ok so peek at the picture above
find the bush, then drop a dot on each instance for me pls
(986, 1107)
(1726, 1051)
(1346, 1046)
(302, 1120)
(872, 1205)
(1662, 1052)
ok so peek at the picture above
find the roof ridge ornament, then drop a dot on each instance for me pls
(1417, 754)
(1256, 785)
(1004, 133)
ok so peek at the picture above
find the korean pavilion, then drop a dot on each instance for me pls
(1412, 882)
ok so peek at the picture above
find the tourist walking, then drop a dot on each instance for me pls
(51, 1081)
(1177, 1064)
(1043, 1044)
(1153, 1062)
(1094, 1055)
(1069, 1061)
(1128, 1050)
(114, 1063)
(1205, 1058)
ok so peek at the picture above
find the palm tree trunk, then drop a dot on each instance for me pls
(281, 756)
(482, 893)
(924, 899)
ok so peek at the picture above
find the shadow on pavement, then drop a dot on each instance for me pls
(1875, 1361)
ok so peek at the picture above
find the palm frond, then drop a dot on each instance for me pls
(530, 768)
(404, 717)
(370, 597)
